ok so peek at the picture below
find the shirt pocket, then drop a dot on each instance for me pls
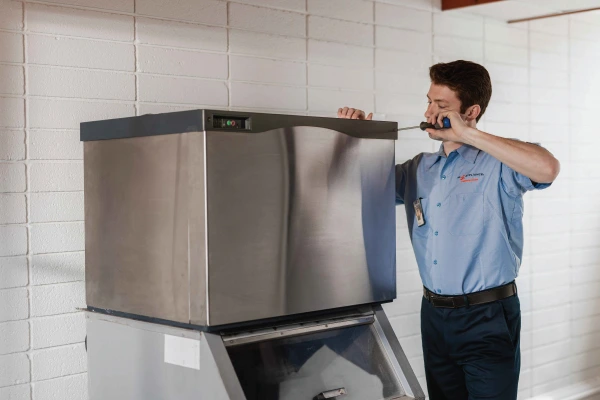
(421, 231)
(465, 214)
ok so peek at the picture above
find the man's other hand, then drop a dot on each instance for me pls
(353, 113)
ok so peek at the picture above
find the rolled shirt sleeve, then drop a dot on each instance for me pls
(516, 184)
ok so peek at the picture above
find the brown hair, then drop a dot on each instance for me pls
(469, 80)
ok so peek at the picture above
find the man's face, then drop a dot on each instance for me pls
(441, 98)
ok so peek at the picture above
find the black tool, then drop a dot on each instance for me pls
(427, 125)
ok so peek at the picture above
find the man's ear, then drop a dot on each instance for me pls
(473, 112)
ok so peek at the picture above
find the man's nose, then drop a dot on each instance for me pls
(428, 111)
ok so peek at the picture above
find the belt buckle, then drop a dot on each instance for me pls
(443, 302)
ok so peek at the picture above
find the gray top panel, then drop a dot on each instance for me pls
(215, 120)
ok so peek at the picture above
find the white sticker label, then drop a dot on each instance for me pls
(182, 351)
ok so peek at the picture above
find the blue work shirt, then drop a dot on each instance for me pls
(472, 239)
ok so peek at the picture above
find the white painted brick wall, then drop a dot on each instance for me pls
(206, 11)
(12, 145)
(14, 369)
(72, 387)
(57, 330)
(54, 145)
(11, 47)
(180, 34)
(56, 206)
(57, 268)
(403, 17)
(55, 176)
(81, 23)
(17, 392)
(14, 337)
(83, 53)
(15, 304)
(498, 32)
(165, 61)
(13, 272)
(57, 299)
(13, 209)
(12, 79)
(12, 115)
(261, 19)
(260, 44)
(185, 90)
(57, 237)
(57, 362)
(402, 39)
(13, 240)
(68, 114)
(67, 61)
(340, 31)
(457, 25)
(339, 54)
(63, 82)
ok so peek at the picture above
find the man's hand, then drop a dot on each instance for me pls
(531, 160)
(353, 113)
(458, 131)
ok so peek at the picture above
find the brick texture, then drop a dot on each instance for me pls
(67, 61)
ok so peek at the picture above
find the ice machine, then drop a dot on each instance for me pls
(238, 255)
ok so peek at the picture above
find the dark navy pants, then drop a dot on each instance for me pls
(472, 352)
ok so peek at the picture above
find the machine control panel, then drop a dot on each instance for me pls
(231, 122)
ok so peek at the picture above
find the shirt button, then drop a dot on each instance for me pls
(434, 262)
(443, 176)
(436, 233)
(439, 204)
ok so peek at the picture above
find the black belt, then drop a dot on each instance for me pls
(485, 296)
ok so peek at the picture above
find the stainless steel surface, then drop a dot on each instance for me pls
(302, 366)
(396, 355)
(299, 220)
(144, 205)
(294, 330)
(223, 227)
(197, 245)
(127, 360)
(400, 375)
(130, 360)
(220, 367)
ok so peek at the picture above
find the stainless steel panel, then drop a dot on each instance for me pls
(299, 220)
(197, 240)
(261, 335)
(223, 227)
(127, 360)
(392, 346)
(137, 224)
(307, 365)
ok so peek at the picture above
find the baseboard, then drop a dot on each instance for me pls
(577, 391)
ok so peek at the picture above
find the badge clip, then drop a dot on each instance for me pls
(419, 212)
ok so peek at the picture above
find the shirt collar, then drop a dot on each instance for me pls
(469, 153)
(431, 161)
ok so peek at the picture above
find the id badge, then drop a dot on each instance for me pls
(419, 212)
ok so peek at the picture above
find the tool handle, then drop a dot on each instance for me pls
(331, 394)
(427, 125)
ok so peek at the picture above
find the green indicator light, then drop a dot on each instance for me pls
(228, 123)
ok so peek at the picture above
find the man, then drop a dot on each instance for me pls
(469, 241)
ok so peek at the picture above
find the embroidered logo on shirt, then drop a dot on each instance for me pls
(470, 177)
